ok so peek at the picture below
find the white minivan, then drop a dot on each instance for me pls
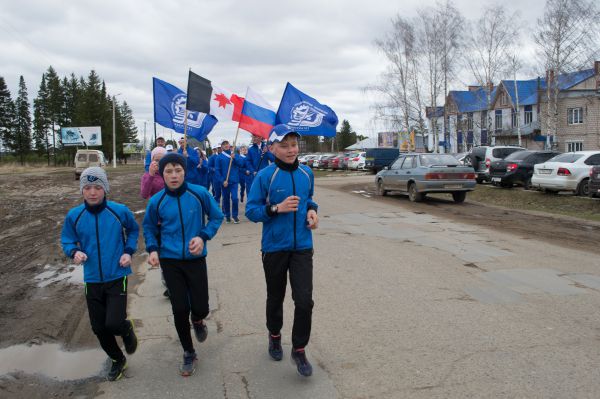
(86, 158)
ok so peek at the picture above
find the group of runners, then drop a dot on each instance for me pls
(181, 217)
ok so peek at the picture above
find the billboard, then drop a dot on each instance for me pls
(133, 148)
(88, 136)
(387, 139)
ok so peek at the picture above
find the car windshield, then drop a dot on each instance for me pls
(519, 155)
(438, 159)
(567, 158)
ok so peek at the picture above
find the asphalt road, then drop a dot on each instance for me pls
(407, 305)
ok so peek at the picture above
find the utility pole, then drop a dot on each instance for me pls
(114, 139)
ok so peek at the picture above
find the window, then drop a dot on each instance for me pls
(504, 99)
(567, 158)
(469, 121)
(514, 118)
(593, 160)
(484, 121)
(441, 159)
(409, 163)
(574, 116)
(82, 157)
(398, 163)
(93, 158)
(574, 146)
(528, 114)
(498, 119)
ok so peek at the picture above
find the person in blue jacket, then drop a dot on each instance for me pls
(244, 173)
(213, 177)
(259, 156)
(192, 161)
(229, 183)
(281, 198)
(102, 235)
(185, 216)
(160, 142)
(202, 168)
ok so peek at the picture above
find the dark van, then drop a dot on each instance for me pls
(377, 158)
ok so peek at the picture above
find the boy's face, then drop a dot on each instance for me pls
(173, 175)
(160, 142)
(256, 140)
(93, 194)
(224, 146)
(286, 150)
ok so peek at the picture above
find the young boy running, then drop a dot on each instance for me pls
(178, 215)
(103, 236)
(281, 198)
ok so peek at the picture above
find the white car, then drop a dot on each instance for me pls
(357, 161)
(566, 172)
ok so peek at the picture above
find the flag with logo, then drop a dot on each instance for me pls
(308, 116)
(205, 96)
(169, 111)
(258, 116)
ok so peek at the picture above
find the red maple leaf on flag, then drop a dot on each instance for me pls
(222, 100)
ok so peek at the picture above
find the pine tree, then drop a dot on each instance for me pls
(345, 137)
(7, 115)
(54, 106)
(41, 122)
(21, 143)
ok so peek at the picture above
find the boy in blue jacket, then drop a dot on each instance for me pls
(185, 216)
(281, 198)
(229, 184)
(103, 236)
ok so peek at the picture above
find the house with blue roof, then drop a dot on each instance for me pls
(521, 108)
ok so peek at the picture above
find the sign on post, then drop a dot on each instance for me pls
(88, 136)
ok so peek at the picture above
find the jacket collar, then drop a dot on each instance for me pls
(95, 208)
(287, 166)
(178, 192)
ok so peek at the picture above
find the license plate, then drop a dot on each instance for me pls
(496, 179)
(453, 186)
(545, 171)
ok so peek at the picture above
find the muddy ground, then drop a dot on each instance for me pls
(32, 210)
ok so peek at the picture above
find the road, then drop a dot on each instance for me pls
(408, 304)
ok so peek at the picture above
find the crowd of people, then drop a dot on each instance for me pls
(189, 197)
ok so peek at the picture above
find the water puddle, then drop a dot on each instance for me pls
(72, 275)
(139, 212)
(51, 361)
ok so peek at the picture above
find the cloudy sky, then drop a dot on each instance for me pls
(323, 48)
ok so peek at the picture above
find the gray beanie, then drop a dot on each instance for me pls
(94, 175)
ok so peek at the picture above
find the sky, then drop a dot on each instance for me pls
(325, 49)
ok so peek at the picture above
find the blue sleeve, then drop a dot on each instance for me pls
(312, 204)
(256, 207)
(250, 161)
(219, 174)
(215, 216)
(132, 230)
(68, 237)
(239, 161)
(269, 156)
(150, 224)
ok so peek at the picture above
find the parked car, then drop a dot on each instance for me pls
(324, 162)
(357, 161)
(594, 184)
(304, 158)
(462, 157)
(420, 174)
(317, 160)
(336, 162)
(311, 159)
(517, 168)
(566, 172)
(377, 158)
(344, 161)
(482, 157)
(86, 158)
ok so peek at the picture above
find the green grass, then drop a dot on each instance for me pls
(517, 198)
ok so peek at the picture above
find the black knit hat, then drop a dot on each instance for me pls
(171, 157)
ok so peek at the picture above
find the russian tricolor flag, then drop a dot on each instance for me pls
(258, 116)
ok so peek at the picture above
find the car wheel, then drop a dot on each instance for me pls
(413, 194)
(584, 188)
(380, 190)
(459, 196)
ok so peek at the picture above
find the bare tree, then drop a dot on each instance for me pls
(488, 43)
(513, 66)
(567, 39)
(448, 23)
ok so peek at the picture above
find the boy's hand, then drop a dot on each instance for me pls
(290, 204)
(79, 257)
(153, 169)
(225, 184)
(196, 246)
(125, 260)
(153, 260)
(313, 219)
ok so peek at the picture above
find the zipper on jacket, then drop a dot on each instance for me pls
(98, 244)
(294, 193)
(182, 230)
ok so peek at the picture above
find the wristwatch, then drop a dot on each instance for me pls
(274, 209)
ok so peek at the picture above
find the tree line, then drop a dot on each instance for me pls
(426, 54)
(61, 102)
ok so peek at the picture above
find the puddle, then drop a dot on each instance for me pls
(73, 275)
(51, 361)
(139, 212)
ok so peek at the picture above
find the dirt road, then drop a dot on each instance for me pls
(32, 209)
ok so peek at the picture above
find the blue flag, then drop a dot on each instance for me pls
(169, 111)
(305, 114)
